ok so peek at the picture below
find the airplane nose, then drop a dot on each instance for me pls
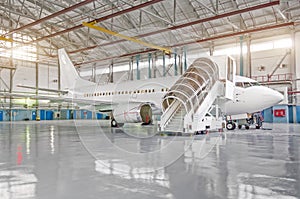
(277, 97)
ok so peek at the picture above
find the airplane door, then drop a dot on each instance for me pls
(230, 78)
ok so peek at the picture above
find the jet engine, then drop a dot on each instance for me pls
(132, 113)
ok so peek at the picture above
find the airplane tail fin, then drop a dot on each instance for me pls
(70, 79)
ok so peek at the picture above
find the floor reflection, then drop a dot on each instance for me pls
(84, 160)
(17, 183)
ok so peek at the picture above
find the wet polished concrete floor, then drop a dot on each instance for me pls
(86, 159)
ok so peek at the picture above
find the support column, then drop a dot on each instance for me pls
(111, 72)
(37, 82)
(138, 72)
(297, 66)
(185, 58)
(241, 56)
(211, 50)
(58, 78)
(130, 74)
(11, 79)
(180, 64)
(149, 65)
(249, 57)
(164, 64)
(293, 68)
(154, 59)
(94, 73)
(175, 63)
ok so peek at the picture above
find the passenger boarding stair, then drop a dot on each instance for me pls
(176, 122)
(190, 98)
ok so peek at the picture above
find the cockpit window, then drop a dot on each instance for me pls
(246, 84)
(239, 84)
(255, 84)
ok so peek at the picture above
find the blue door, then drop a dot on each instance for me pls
(291, 114)
(42, 114)
(298, 114)
(89, 115)
(99, 116)
(49, 115)
(1, 115)
(70, 114)
(74, 114)
(33, 115)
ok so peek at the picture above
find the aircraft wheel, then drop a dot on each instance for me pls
(230, 126)
(114, 123)
(257, 127)
(239, 126)
(247, 127)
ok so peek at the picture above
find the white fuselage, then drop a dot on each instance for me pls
(246, 100)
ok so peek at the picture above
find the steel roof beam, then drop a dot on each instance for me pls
(198, 41)
(273, 3)
(50, 16)
(236, 33)
(100, 19)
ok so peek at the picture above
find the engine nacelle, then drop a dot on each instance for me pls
(133, 113)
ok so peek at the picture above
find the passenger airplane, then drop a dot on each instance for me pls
(135, 101)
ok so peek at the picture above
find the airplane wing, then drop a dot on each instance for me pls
(89, 104)
(45, 89)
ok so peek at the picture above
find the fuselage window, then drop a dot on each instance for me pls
(138, 91)
(153, 90)
(162, 90)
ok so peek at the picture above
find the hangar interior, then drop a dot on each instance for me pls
(260, 35)
(54, 148)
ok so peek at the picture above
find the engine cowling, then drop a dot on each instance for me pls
(133, 113)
